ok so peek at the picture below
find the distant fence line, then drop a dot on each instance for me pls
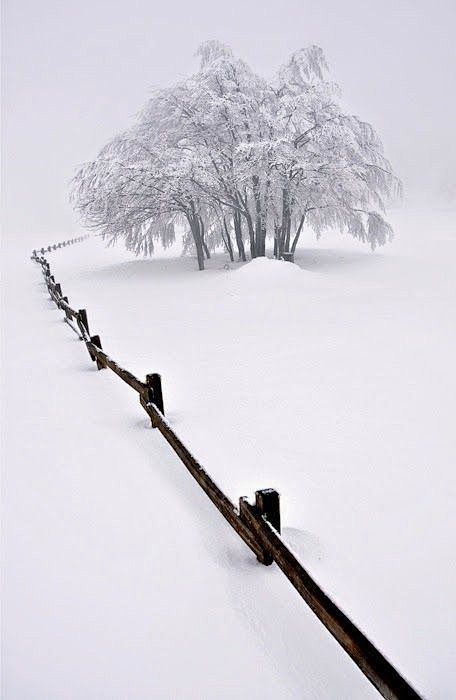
(62, 244)
(258, 525)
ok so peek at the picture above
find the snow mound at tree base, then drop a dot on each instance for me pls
(270, 270)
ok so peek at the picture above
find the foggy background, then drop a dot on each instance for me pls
(75, 73)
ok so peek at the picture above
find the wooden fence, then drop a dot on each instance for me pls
(56, 246)
(257, 524)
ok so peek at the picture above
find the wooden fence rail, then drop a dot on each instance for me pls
(257, 524)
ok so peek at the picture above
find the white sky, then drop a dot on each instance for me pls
(75, 73)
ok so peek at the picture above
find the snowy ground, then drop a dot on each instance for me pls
(332, 381)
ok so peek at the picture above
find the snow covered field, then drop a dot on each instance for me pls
(332, 380)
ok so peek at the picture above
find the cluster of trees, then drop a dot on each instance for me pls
(237, 160)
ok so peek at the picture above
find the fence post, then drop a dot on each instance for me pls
(153, 381)
(83, 325)
(263, 556)
(68, 315)
(58, 289)
(267, 506)
(82, 318)
(95, 339)
(267, 502)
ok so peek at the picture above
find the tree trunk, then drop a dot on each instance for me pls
(238, 233)
(287, 238)
(286, 223)
(199, 253)
(194, 221)
(251, 235)
(258, 244)
(205, 248)
(260, 234)
(277, 232)
(298, 233)
(199, 249)
(227, 240)
(262, 239)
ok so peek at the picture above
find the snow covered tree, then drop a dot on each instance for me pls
(235, 159)
(329, 167)
(140, 186)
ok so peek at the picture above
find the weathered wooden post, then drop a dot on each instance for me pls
(58, 289)
(95, 339)
(154, 383)
(83, 324)
(67, 314)
(82, 319)
(267, 502)
(263, 555)
(153, 394)
(267, 506)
